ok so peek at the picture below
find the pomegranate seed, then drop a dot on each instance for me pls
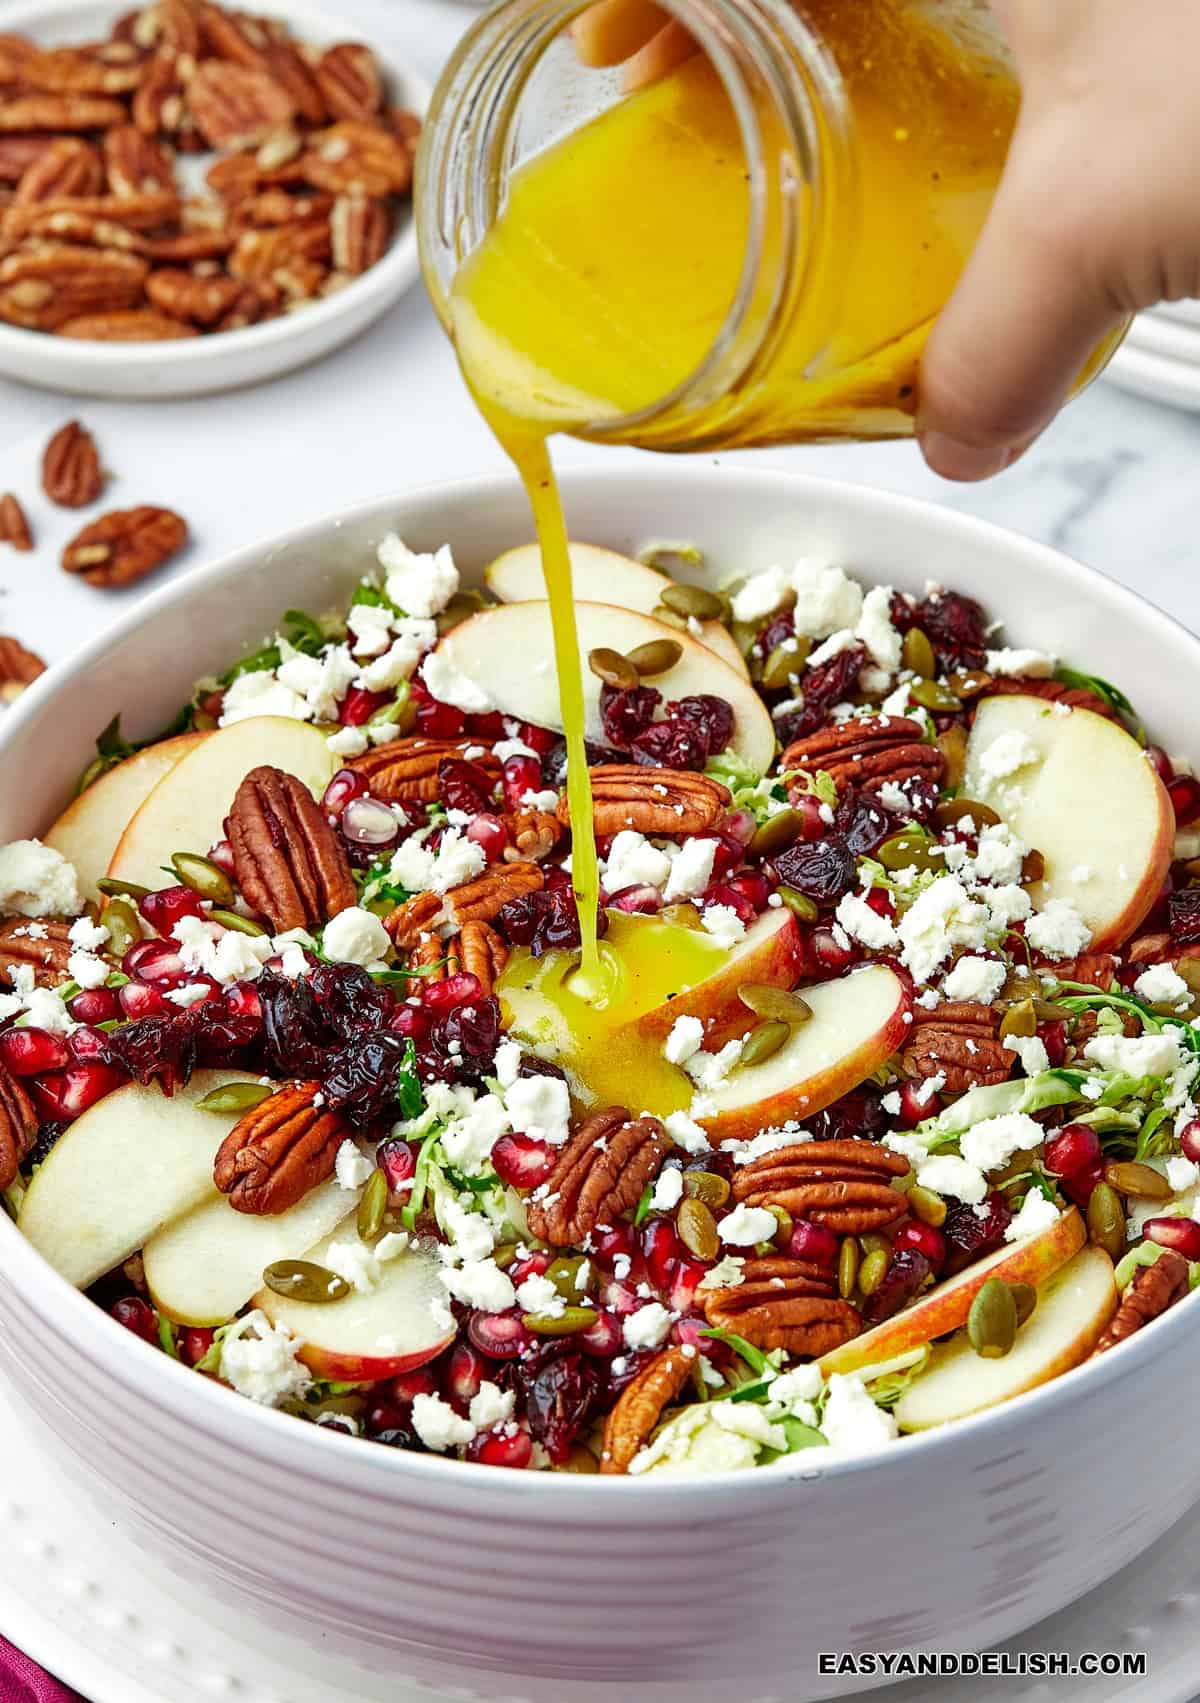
(95, 1005)
(535, 1264)
(241, 1000)
(754, 888)
(359, 706)
(813, 1242)
(510, 1448)
(138, 1000)
(725, 893)
(620, 1298)
(438, 721)
(728, 853)
(84, 1084)
(221, 853)
(603, 1339)
(615, 1239)
(640, 901)
(405, 1387)
(162, 910)
(813, 825)
(662, 1248)
(136, 1315)
(194, 1344)
(1053, 1037)
(1182, 1234)
(448, 995)
(539, 739)
(684, 1282)
(366, 822)
(521, 1161)
(385, 1416)
(28, 1051)
(1073, 1149)
(490, 833)
(1078, 1187)
(915, 1106)
(501, 1336)
(344, 786)
(742, 825)
(1184, 791)
(155, 961)
(464, 1372)
(398, 1162)
(520, 775)
(1189, 1140)
(86, 1043)
(925, 1239)
(689, 1333)
(831, 956)
(411, 1020)
(881, 902)
(1158, 758)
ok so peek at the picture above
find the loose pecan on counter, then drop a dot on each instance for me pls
(672, 803)
(279, 1150)
(1154, 1289)
(18, 1126)
(14, 524)
(844, 1185)
(290, 864)
(784, 1303)
(124, 546)
(479, 900)
(641, 1405)
(405, 771)
(600, 1174)
(18, 667)
(866, 752)
(44, 946)
(959, 1041)
(71, 473)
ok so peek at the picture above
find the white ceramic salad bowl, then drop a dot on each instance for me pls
(528, 1586)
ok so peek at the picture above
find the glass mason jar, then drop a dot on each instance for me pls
(750, 250)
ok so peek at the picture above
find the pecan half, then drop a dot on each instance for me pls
(405, 771)
(18, 667)
(844, 1185)
(43, 287)
(14, 525)
(533, 833)
(158, 103)
(669, 802)
(641, 1404)
(479, 900)
(183, 296)
(135, 164)
(71, 213)
(262, 256)
(359, 228)
(280, 1150)
(124, 545)
(1097, 969)
(959, 1041)
(17, 154)
(18, 1126)
(1075, 697)
(270, 207)
(43, 945)
(60, 112)
(1154, 1289)
(290, 864)
(479, 950)
(600, 1174)
(252, 44)
(348, 77)
(75, 71)
(134, 325)
(71, 473)
(785, 1303)
(236, 106)
(69, 166)
(357, 157)
(866, 752)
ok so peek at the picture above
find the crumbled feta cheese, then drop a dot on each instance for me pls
(686, 1133)
(420, 584)
(471, 1236)
(1036, 1214)
(691, 869)
(1138, 1055)
(1058, 931)
(715, 1436)
(1161, 985)
(456, 861)
(668, 1191)
(1182, 1173)
(370, 626)
(491, 1406)
(992, 1143)
(746, 1226)
(356, 1262)
(1031, 1051)
(724, 924)
(260, 693)
(355, 936)
(1006, 755)
(537, 1294)
(893, 797)
(876, 631)
(939, 919)
(634, 862)
(86, 934)
(86, 969)
(352, 1168)
(437, 1424)
(507, 1063)
(472, 1131)
(766, 1141)
(1021, 664)
(191, 993)
(1006, 905)
(226, 955)
(348, 742)
(761, 595)
(647, 1327)
(449, 685)
(37, 881)
(259, 1360)
(834, 645)
(826, 600)
(684, 1041)
(540, 1107)
(391, 1245)
(384, 673)
(707, 1070)
(851, 1422)
(480, 1283)
(864, 924)
(1000, 854)
(955, 1179)
(46, 1010)
(978, 980)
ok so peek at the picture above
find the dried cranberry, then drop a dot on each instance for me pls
(955, 626)
(1183, 913)
(463, 786)
(626, 713)
(461, 1045)
(969, 1237)
(361, 1078)
(222, 1029)
(901, 611)
(863, 823)
(923, 799)
(554, 763)
(859, 1113)
(161, 1049)
(349, 1000)
(670, 745)
(827, 684)
(559, 1398)
(822, 871)
(48, 1134)
(904, 1276)
(545, 921)
(296, 1035)
(710, 716)
(777, 629)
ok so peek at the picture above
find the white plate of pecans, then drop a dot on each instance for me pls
(193, 199)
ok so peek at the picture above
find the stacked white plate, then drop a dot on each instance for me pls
(1160, 357)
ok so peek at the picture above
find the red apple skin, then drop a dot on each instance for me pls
(778, 960)
(1142, 899)
(361, 1369)
(806, 1098)
(945, 1308)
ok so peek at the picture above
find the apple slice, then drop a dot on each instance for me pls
(187, 809)
(128, 1166)
(1074, 1306)
(509, 653)
(203, 1268)
(857, 1023)
(1088, 801)
(600, 576)
(88, 830)
(364, 1337)
(770, 954)
(945, 1307)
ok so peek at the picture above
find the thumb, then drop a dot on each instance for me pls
(1022, 325)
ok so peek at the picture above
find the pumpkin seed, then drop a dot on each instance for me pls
(670, 617)
(203, 722)
(1020, 1019)
(776, 834)
(952, 743)
(1189, 969)
(693, 602)
(1047, 1012)
(916, 653)
(784, 664)
(114, 888)
(655, 657)
(952, 810)
(680, 916)
(614, 669)
(909, 851)
(968, 682)
(932, 696)
(785, 1224)
(1106, 1220)
(240, 924)
(871, 1271)
(992, 1321)
(775, 1002)
(930, 1208)
(460, 606)
(565, 1274)
(505, 1254)
(1025, 1300)
(124, 928)
(707, 1186)
(697, 1229)
(763, 1042)
(569, 1322)
(203, 876)
(235, 1097)
(849, 1259)
(799, 904)
(871, 1242)
(1128, 1177)
(304, 1280)
(372, 1206)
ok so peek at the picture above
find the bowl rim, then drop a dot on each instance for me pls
(387, 280)
(149, 1374)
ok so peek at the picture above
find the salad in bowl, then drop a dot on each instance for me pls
(878, 1112)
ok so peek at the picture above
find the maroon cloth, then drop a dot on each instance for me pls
(23, 1681)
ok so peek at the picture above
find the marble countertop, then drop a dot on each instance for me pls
(1113, 482)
